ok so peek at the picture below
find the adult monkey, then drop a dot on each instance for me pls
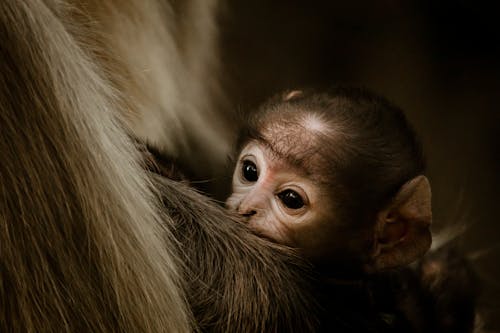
(82, 247)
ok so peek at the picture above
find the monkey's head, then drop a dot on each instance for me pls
(337, 175)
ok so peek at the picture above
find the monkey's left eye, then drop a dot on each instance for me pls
(249, 170)
(291, 199)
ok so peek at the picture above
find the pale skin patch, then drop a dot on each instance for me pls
(314, 124)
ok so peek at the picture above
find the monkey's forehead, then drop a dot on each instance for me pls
(306, 151)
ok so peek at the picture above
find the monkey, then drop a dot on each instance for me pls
(339, 175)
(90, 241)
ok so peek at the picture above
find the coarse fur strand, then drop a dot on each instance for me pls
(82, 247)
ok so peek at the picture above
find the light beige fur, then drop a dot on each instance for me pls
(82, 247)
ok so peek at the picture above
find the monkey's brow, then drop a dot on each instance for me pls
(301, 165)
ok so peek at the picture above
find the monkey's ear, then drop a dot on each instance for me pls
(402, 230)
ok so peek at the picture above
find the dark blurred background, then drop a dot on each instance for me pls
(438, 60)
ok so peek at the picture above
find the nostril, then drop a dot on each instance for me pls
(250, 213)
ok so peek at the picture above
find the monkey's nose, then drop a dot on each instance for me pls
(246, 211)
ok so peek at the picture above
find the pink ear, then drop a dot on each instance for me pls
(402, 231)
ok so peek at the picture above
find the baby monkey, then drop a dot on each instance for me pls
(337, 175)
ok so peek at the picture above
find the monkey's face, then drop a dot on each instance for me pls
(277, 199)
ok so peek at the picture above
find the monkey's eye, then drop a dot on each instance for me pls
(291, 199)
(249, 170)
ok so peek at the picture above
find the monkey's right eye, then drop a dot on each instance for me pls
(249, 171)
(291, 199)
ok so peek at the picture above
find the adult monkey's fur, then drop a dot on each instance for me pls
(83, 247)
